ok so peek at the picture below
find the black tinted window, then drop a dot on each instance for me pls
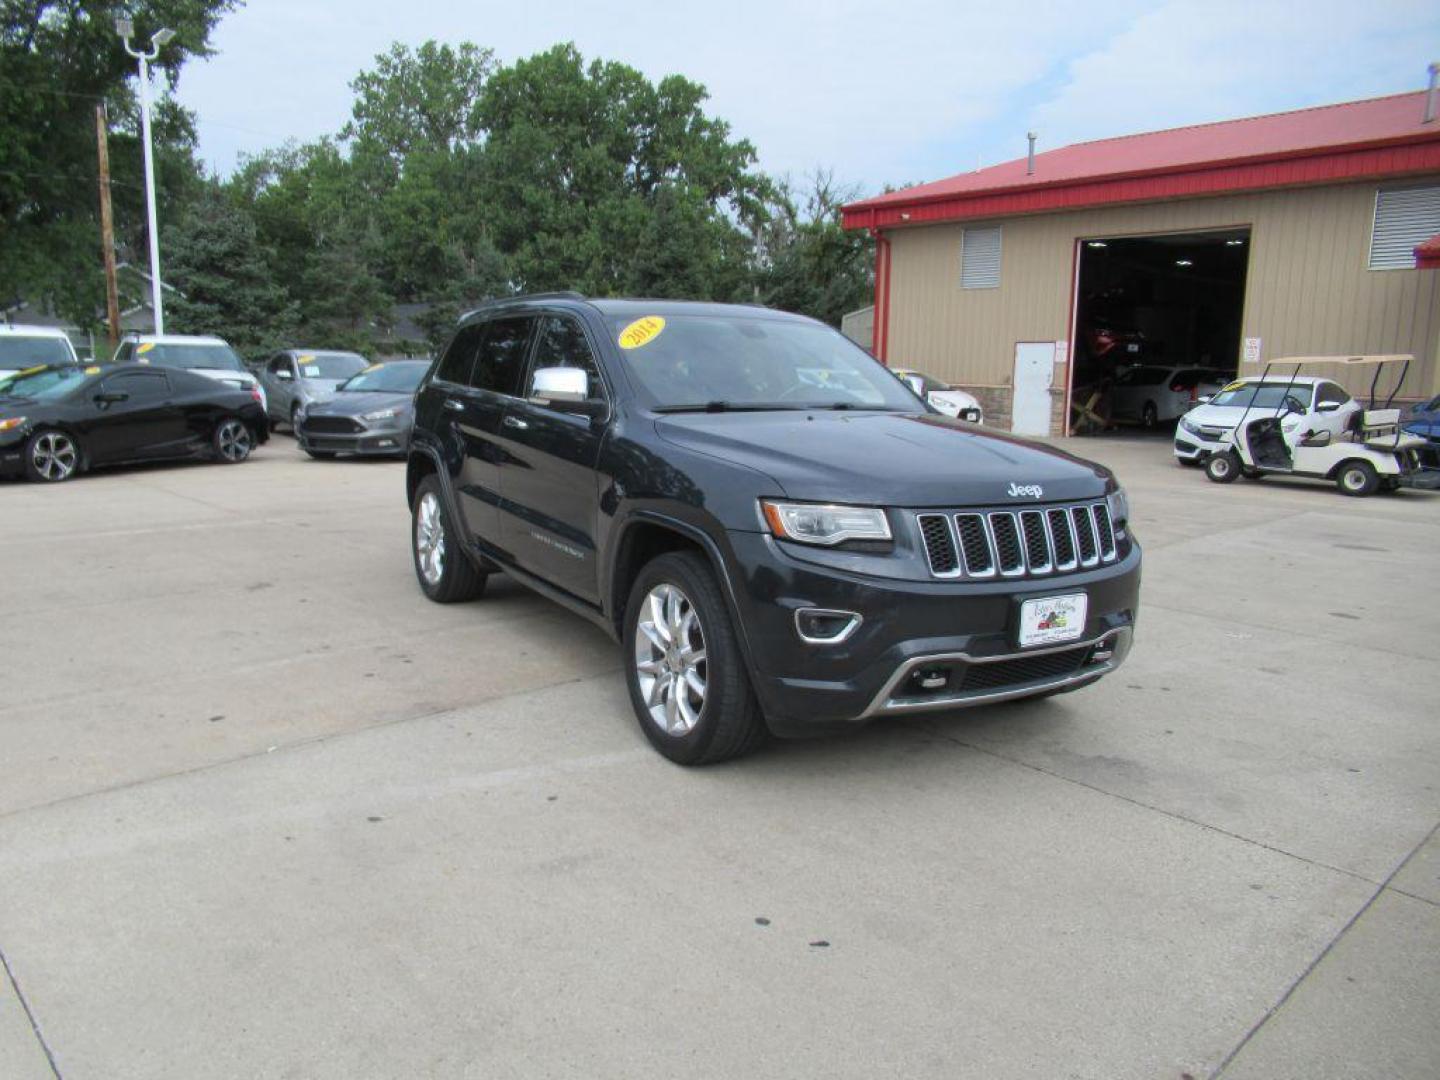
(1330, 392)
(459, 359)
(141, 386)
(501, 359)
(561, 343)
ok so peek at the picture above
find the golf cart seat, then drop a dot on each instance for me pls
(1379, 429)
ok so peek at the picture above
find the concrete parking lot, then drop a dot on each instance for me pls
(266, 812)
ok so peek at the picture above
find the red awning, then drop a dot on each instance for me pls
(1427, 255)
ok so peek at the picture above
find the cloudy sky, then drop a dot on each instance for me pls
(906, 90)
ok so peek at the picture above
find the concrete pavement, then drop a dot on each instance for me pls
(266, 812)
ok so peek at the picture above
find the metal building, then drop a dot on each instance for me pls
(1217, 246)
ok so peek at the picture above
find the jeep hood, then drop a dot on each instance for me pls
(886, 458)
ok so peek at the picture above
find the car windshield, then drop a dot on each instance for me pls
(330, 365)
(190, 356)
(41, 384)
(19, 351)
(753, 362)
(1270, 396)
(400, 378)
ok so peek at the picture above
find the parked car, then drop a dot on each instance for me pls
(369, 414)
(1155, 394)
(62, 419)
(1316, 403)
(208, 356)
(948, 400)
(298, 378)
(782, 536)
(1424, 420)
(24, 347)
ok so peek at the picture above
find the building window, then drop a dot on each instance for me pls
(1404, 218)
(980, 258)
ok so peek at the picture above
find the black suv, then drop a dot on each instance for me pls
(783, 536)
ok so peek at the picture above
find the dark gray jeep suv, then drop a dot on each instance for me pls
(782, 535)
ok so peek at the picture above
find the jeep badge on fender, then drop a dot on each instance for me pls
(767, 519)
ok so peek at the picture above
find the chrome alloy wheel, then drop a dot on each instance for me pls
(233, 440)
(54, 456)
(670, 659)
(430, 539)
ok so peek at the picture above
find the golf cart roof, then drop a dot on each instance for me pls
(1369, 358)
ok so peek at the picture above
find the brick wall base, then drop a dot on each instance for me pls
(996, 401)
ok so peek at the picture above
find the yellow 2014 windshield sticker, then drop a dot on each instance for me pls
(146, 347)
(92, 371)
(1233, 386)
(641, 332)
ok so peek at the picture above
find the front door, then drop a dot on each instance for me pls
(144, 424)
(1030, 402)
(551, 498)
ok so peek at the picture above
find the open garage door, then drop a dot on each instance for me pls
(1157, 324)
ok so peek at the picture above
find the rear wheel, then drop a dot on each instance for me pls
(1357, 478)
(1224, 467)
(445, 573)
(51, 456)
(232, 441)
(684, 668)
(1149, 415)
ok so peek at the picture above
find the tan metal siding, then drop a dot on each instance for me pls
(1309, 289)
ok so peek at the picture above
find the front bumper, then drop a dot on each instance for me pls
(375, 443)
(920, 645)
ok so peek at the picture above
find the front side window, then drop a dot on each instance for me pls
(500, 360)
(753, 361)
(281, 363)
(560, 343)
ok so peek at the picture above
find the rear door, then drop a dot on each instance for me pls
(551, 499)
(144, 424)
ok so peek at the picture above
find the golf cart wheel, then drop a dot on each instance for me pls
(1223, 468)
(1357, 478)
(1150, 416)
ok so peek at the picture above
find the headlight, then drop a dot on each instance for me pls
(1119, 506)
(12, 423)
(380, 414)
(1188, 426)
(819, 523)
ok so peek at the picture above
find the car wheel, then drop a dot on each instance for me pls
(445, 573)
(51, 457)
(295, 419)
(686, 675)
(1223, 467)
(232, 441)
(1357, 478)
(1150, 416)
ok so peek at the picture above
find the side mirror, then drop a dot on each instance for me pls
(111, 397)
(915, 385)
(1204, 399)
(1327, 406)
(284, 375)
(560, 384)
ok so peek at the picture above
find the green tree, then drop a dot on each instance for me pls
(57, 60)
(219, 267)
(805, 261)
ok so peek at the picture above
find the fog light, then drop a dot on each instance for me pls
(824, 626)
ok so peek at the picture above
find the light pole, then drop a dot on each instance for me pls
(126, 29)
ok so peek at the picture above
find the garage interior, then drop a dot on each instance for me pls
(1172, 300)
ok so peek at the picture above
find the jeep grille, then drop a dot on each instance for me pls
(1011, 544)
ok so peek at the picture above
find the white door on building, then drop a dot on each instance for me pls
(1034, 369)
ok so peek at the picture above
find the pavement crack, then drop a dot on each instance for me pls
(1020, 762)
(29, 1014)
(1329, 947)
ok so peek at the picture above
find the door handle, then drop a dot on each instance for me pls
(515, 422)
(453, 405)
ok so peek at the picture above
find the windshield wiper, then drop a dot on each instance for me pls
(730, 406)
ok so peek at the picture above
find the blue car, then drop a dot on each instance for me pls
(1425, 420)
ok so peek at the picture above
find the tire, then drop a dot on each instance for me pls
(52, 457)
(1223, 467)
(1150, 416)
(1357, 478)
(445, 572)
(294, 421)
(721, 719)
(231, 441)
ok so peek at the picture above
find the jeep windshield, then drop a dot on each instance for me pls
(721, 363)
(1270, 396)
(215, 357)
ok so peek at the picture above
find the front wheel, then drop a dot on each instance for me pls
(445, 574)
(51, 456)
(684, 668)
(1150, 416)
(1357, 478)
(232, 441)
(1224, 467)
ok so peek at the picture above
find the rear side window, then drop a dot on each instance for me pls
(141, 386)
(459, 359)
(1330, 392)
(500, 361)
(560, 343)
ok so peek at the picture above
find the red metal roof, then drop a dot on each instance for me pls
(1378, 137)
(1427, 255)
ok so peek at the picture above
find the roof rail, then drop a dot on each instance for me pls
(562, 294)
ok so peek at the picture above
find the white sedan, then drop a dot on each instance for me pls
(947, 400)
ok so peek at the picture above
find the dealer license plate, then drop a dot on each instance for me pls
(1052, 619)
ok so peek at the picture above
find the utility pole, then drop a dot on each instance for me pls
(107, 229)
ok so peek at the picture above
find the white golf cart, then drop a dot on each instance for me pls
(1372, 453)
